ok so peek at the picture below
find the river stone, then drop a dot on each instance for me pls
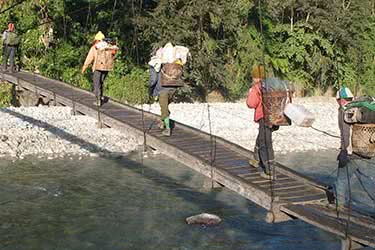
(204, 218)
(4, 138)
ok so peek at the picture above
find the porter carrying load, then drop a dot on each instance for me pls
(171, 74)
(166, 68)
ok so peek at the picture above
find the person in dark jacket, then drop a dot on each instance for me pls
(343, 97)
(10, 43)
(263, 151)
(164, 95)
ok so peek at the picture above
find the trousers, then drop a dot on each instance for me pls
(263, 147)
(9, 53)
(165, 98)
(98, 79)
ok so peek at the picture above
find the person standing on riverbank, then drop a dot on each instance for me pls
(263, 151)
(10, 42)
(343, 97)
(102, 55)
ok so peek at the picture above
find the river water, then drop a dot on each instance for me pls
(133, 204)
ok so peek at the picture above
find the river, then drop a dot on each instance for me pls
(133, 203)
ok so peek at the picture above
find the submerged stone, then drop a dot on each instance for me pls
(204, 218)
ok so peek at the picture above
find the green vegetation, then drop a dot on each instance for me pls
(316, 45)
(5, 95)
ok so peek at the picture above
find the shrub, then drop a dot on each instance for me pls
(5, 94)
(131, 88)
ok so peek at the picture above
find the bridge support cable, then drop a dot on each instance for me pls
(212, 146)
(12, 6)
(272, 170)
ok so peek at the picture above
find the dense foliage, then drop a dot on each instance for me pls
(316, 44)
(6, 93)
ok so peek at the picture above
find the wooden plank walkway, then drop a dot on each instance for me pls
(224, 162)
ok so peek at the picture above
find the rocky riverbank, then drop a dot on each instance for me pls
(53, 132)
(234, 122)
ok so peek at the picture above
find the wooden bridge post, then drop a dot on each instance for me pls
(73, 111)
(54, 99)
(208, 183)
(349, 244)
(275, 215)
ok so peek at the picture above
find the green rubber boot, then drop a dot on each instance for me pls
(167, 130)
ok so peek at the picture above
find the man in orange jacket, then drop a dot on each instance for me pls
(263, 151)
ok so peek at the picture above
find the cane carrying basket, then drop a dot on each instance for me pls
(363, 139)
(274, 103)
(171, 75)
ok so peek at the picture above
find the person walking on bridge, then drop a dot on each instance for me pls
(10, 42)
(101, 55)
(263, 151)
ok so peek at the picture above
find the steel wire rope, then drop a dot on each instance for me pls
(363, 186)
(212, 146)
(144, 131)
(358, 172)
(272, 174)
(113, 12)
(88, 15)
(350, 202)
(347, 171)
(12, 6)
(202, 123)
(99, 99)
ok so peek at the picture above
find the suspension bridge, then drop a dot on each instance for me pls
(289, 195)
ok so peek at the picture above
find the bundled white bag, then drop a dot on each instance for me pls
(168, 54)
(182, 53)
(299, 115)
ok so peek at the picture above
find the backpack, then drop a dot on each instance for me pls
(104, 59)
(171, 75)
(11, 39)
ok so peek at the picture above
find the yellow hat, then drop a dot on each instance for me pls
(258, 72)
(99, 36)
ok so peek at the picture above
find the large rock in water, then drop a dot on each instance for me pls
(205, 219)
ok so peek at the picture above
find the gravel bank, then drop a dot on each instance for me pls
(234, 122)
(53, 132)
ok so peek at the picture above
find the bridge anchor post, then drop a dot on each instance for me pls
(349, 244)
(275, 215)
(210, 184)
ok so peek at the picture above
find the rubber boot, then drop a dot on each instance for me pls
(167, 130)
(161, 125)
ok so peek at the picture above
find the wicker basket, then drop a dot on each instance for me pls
(171, 75)
(274, 103)
(363, 139)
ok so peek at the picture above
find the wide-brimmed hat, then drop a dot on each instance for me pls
(258, 72)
